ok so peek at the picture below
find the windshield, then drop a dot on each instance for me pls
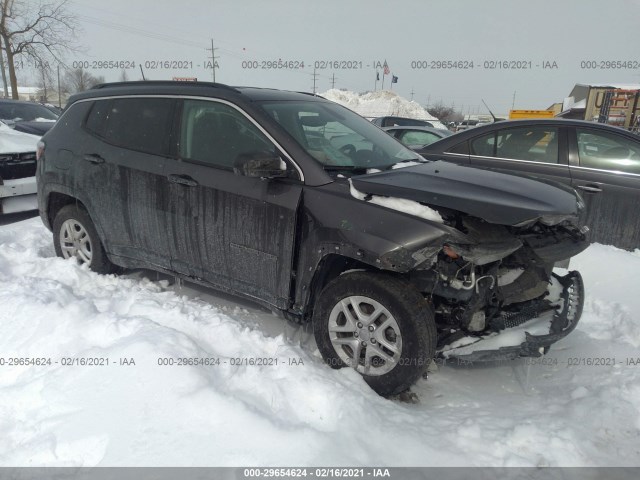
(26, 112)
(338, 138)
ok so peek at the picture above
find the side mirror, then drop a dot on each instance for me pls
(260, 164)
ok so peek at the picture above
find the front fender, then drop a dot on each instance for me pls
(332, 222)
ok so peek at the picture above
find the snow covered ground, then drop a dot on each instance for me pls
(565, 412)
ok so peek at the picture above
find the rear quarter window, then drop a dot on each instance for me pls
(97, 115)
(461, 148)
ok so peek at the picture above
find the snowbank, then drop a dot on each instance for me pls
(380, 104)
(567, 411)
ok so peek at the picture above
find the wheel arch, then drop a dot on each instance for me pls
(58, 198)
(329, 267)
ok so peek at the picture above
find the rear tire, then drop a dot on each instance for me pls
(74, 235)
(378, 324)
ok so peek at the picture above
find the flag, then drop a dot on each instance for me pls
(394, 79)
(386, 68)
(378, 78)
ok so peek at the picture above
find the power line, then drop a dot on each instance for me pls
(138, 31)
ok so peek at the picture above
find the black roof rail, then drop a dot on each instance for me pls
(311, 94)
(173, 83)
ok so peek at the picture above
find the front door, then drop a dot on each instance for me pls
(605, 169)
(233, 231)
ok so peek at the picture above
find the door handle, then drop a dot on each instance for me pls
(93, 158)
(182, 180)
(589, 188)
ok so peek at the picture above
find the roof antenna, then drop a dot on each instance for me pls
(140, 65)
(485, 104)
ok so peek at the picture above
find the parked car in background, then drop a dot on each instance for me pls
(27, 117)
(600, 161)
(246, 190)
(416, 138)
(17, 170)
(407, 122)
(466, 124)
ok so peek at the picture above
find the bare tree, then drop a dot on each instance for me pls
(123, 76)
(445, 113)
(5, 88)
(79, 80)
(38, 30)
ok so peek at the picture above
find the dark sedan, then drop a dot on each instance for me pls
(27, 117)
(600, 161)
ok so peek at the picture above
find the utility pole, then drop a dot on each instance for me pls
(428, 101)
(213, 60)
(412, 93)
(513, 104)
(59, 90)
(333, 80)
(315, 76)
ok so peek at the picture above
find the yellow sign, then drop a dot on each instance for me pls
(519, 114)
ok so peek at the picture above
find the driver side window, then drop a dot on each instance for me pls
(215, 134)
(607, 151)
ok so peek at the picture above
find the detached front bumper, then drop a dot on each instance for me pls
(531, 338)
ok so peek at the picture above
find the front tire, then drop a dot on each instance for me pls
(378, 324)
(75, 236)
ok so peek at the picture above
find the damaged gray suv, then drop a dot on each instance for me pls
(310, 210)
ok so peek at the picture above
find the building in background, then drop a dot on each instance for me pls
(614, 104)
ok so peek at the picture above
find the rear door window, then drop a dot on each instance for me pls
(141, 124)
(608, 151)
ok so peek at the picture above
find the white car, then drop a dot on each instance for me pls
(17, 170)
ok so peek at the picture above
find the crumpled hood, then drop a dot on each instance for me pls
(498, 198)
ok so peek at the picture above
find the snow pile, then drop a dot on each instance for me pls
(565, 413)
(380, 104)
(12, 141)
(404, 205)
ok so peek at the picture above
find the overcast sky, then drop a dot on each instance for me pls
(556, 33)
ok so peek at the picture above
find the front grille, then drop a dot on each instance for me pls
(17, 165)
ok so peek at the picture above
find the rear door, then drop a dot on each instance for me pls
(123, 160)
(605, 168)
(233, 231)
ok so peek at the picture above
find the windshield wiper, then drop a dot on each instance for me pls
(413, 160)
(345, 168)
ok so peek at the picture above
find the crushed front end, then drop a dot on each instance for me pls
(495, 293)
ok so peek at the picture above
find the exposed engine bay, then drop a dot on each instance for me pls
(500, 282)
